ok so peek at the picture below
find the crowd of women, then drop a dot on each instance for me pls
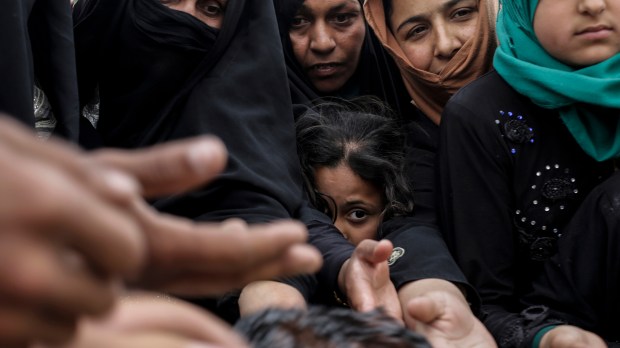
(453, 162)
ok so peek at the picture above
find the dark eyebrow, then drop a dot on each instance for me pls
(339, 8)
(365, 205)
(420, 17)
(304, 10)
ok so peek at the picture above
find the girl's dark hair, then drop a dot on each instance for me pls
(362, 134)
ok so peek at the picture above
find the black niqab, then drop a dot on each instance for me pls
(234, 86)
(163, 75)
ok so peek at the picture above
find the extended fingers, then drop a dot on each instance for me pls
(299, 259)
(228, 246)
(169, 168)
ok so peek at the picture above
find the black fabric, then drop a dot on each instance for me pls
(37, 45)
(156, 85)
(528, 215)
(423, 254)
(378, 75)
(163, 74)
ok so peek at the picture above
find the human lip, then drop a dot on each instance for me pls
(324, 69)
(595, 32)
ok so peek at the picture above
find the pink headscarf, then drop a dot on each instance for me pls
(430, 92)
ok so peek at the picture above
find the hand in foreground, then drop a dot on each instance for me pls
(366, 279)
(567, 336)
(80, 218)
(446, 321)
(192, 259)
(149, 320)
(63, 243)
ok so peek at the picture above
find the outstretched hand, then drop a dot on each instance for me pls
(365, 277)
(446, 321)
(198, 259)
(74, 225)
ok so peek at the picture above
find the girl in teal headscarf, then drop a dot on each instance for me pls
(573, 81)
(530, 193)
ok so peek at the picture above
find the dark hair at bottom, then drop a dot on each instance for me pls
(326, 327)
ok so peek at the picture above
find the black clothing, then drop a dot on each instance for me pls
(37, 45)
(425, 254)
(163, 74)
(528, 215)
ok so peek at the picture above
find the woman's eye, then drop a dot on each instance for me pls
(417, 31)
(463, 13)
(344, 18)
(298, 21)
(358, 215)
(212, 8)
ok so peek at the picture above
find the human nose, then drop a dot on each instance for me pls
(446, 43)
(321, 39)
(592, 7)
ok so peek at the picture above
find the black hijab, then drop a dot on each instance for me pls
(376, 73)
(162, 75)
(37, 45)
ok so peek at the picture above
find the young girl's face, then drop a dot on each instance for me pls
(327, 38)
(210, 12)
(579, 32)
(359, 204)
(430, 32)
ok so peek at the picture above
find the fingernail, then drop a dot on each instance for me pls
(200, 156)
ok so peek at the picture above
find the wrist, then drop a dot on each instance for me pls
(538, 338)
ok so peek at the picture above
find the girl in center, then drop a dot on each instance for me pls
(352, 157)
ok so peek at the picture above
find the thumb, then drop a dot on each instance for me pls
(424, 309)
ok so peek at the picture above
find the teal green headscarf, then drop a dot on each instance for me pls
(587, 98)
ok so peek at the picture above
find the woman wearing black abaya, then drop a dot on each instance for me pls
(322, 41)
(163, 74)
(37, 45)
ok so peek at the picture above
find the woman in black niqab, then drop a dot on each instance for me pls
(163, 75)
(37, 45)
